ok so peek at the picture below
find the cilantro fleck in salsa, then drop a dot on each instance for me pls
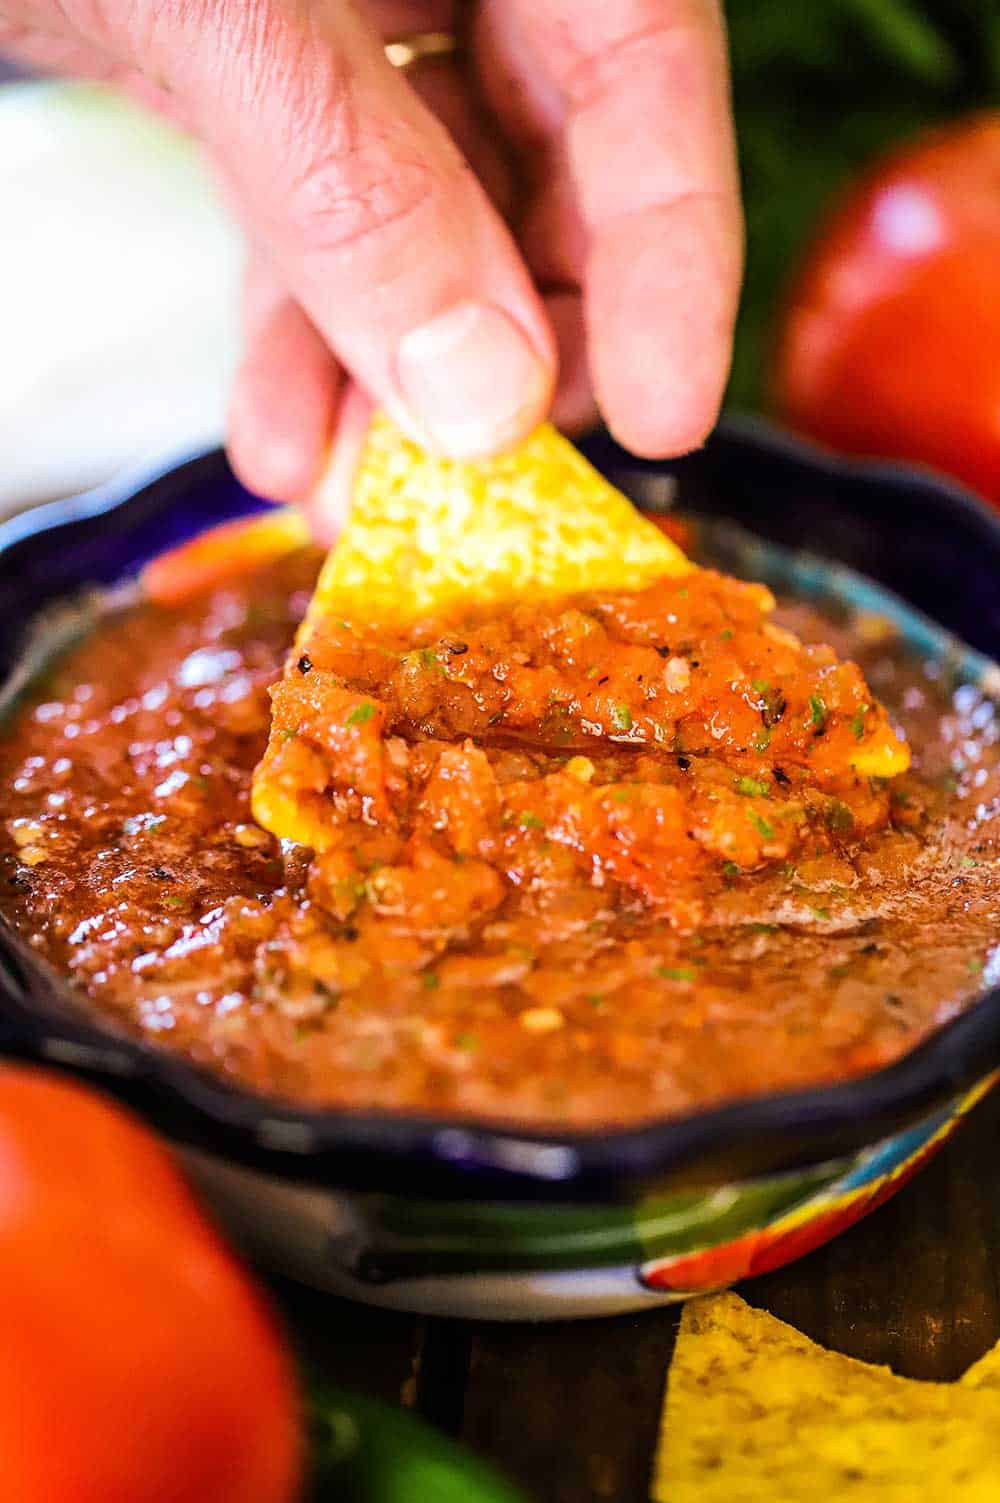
(580, 863)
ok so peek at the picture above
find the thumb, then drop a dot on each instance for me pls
(370, 214)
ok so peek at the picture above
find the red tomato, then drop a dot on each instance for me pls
(890, 344)
(138, 1364)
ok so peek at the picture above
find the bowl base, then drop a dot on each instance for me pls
(304, 1232)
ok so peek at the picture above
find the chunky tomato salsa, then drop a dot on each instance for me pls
(577, 863)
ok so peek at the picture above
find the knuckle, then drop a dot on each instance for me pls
(668, 39)
(363, 174)
(338, 169)
(347, 199)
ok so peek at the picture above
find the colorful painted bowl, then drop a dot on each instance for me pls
(471, 1219)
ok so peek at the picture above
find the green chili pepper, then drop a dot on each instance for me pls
(366, 1452)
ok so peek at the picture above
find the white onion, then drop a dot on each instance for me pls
(119, 290)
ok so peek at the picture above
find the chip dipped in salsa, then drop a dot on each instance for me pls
(664, 739)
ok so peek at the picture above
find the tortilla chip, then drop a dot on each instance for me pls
(984, 1374)
(426, 534)
(755, 1410)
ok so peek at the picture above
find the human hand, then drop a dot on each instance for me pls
(380, 263)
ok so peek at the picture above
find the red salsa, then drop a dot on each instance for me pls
(583, 863)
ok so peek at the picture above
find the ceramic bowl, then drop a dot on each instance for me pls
(468, 1218)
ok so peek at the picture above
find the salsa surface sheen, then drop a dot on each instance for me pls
(580, 929)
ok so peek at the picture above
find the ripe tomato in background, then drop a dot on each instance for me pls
(890, 342)
(138, 1363)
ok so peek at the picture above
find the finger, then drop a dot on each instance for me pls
(59, 50)
(373, 220)
(574, 408)
(513, 77)
(285, 394)
(644, 111)
(661, 298)
(552, 234)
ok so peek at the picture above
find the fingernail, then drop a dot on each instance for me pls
(471, 381)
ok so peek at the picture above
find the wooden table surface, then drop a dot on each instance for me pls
(570, 1410)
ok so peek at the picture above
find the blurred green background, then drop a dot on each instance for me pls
(820, 86)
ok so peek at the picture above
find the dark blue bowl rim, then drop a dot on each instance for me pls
(448, 1157)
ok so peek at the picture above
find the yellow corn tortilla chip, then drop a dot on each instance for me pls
(427, 533)
(756, 1411)
(984, 1374)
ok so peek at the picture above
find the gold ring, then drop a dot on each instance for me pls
(418, 46)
